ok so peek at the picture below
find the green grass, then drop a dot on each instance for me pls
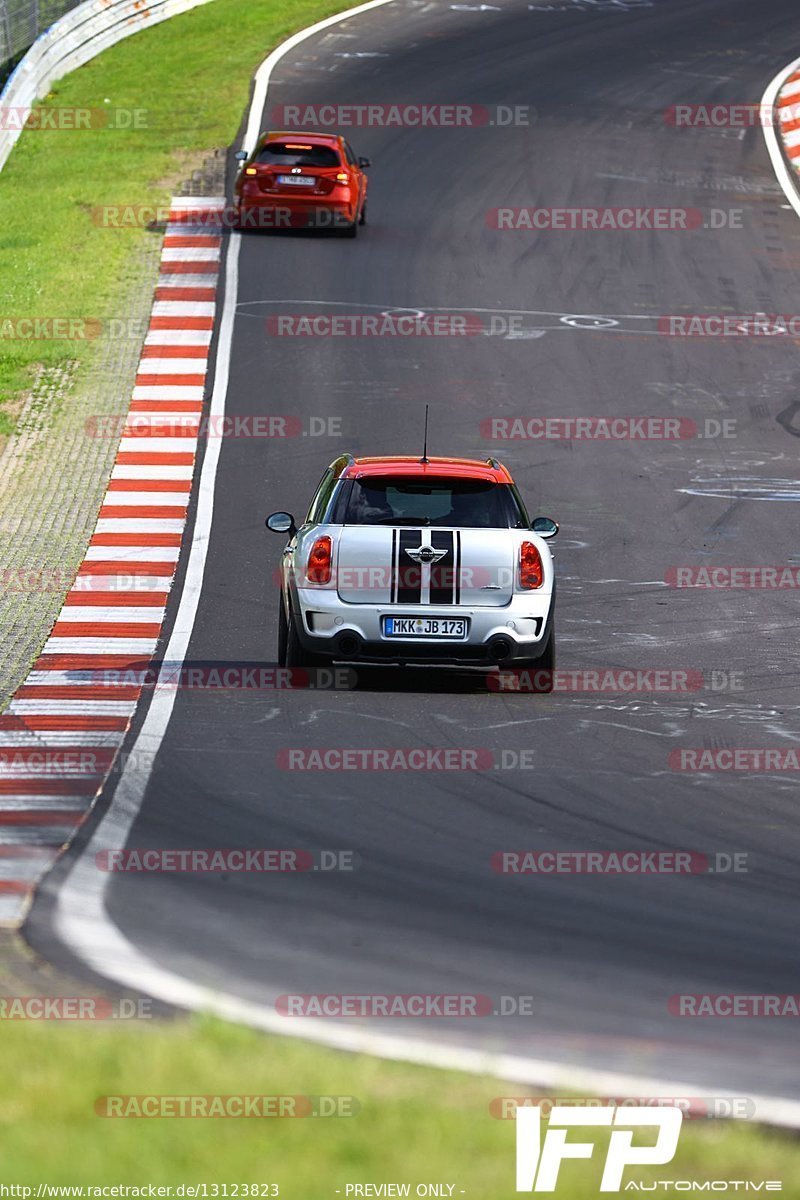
(415, 1125)
(54, 260)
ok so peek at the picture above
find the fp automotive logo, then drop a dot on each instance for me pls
(538, 1164)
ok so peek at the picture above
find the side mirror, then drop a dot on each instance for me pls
(546, 527)
(281, 522)
(241, 156)
(364, 162)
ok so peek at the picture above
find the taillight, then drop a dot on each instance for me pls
(250, 171)
(342, 177)
(531, 571)
(319, 561)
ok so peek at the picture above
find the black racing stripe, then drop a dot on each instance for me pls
(443, 571)
(457, 587)
(409, 573)
(393, 593)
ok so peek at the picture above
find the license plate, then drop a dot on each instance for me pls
(300, 180)
(425, 627)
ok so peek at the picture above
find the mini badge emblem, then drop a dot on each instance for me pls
(426, 554)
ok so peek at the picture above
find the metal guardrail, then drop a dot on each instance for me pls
(74, 39)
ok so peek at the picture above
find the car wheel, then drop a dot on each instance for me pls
(541, 669)
(362, 220)
(351, 231)
(290, 649)
(283, 632)
(295, 656)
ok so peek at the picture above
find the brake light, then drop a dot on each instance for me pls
(319, 561)
(531, 571)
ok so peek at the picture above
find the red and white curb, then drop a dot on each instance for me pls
(65, 724)
(788, 111)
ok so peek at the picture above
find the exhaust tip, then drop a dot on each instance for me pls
(349, 645)
(500, 648)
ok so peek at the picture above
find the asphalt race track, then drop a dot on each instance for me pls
(601, 956)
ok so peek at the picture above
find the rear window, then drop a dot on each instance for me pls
(460, 503)
(298, 154)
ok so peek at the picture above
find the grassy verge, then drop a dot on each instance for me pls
(414, 1125)
(54, 259)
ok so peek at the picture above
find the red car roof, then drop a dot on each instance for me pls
(489, 470)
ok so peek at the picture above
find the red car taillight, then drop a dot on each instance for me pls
(319, 561)
(531, 571)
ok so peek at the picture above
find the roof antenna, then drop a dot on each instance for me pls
(424, 458)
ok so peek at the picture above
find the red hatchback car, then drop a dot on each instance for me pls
(302, 181)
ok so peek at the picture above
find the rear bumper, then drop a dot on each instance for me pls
(517, 632)
(295, 212)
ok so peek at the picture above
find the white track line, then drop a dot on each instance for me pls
(81, 918)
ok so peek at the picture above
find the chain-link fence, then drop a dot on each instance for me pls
(21, 22)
